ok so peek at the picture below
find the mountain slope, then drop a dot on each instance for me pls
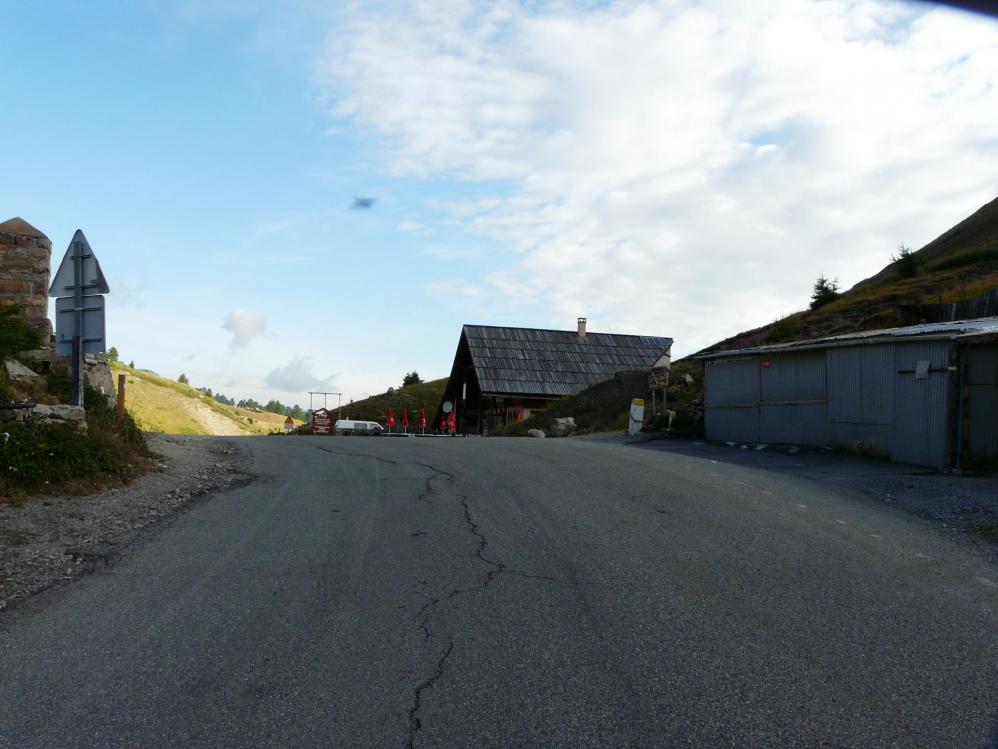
(960, 264)
(161, 405)
(425, 395)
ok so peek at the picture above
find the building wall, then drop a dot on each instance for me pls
(920, 428)
(779, 399)
(982, 401)
(864, 398)
(861, 398)
(25, 255)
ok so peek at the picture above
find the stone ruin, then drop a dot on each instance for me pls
(25, 271)
(25, 258)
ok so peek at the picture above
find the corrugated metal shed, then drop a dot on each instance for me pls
(924, 394)
(554, 363)
(982, 401)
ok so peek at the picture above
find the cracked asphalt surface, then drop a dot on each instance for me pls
(502, 592)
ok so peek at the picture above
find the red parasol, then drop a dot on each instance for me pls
(390, 421)
(405, 418)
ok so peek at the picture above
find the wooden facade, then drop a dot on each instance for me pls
(502, 375)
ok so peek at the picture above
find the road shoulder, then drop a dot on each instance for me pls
(49, 540)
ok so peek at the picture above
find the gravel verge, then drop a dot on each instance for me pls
(52, 539)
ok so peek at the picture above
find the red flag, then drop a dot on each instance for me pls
(391, 419)
(422, 418)
(453, 422)
(405, 418)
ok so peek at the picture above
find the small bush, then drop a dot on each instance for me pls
(825, 291)
(42, 456)
(906, 262)
(15, 334)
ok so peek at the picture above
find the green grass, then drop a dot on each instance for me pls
(161, 405)
(56, 457)
(967, 258)
(425, 395)
(604, 407)
(986, 529)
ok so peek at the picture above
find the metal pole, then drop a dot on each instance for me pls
(77, 371)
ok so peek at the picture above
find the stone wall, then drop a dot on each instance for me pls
(25, 257)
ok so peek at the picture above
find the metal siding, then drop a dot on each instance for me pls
(860, 397)
(794, 377)
(730, 383)
(797, 424)
(982, 401)
(920, 429)
(845, 399)
(732, 424)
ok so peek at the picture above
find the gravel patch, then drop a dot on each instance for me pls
(961, 505)
(52, 539)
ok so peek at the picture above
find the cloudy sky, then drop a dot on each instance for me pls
(664, 168)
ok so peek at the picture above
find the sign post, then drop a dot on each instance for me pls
(79, 322)
(289, 424)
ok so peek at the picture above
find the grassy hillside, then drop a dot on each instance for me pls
(161, 405)
(960, 264)
(604, 407)
(425, 395)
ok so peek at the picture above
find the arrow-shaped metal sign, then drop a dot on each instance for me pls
(91, 280)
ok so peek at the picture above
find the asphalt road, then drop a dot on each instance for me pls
(500, 592)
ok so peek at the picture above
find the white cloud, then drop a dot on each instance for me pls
(414, 227)
(296, 377)
(244, 327)
(674, 168)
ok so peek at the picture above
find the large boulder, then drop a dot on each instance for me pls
(563, 427)
(20, 373)
(536, 433)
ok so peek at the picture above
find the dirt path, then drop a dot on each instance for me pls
(213, 423)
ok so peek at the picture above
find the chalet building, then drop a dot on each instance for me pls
(502, 375)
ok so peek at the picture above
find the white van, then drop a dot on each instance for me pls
(349, 426)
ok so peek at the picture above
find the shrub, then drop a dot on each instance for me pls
(41, 456)
(906, 262)
(825, 292)
(15, 334)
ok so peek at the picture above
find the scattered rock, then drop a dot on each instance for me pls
(563, 427)
(20, 373)
(536, 433)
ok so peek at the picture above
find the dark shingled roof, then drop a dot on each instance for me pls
(527, 361)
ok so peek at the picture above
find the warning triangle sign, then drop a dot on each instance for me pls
(91, 278)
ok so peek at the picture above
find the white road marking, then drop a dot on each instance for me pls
(842, 522)
(877, 536)
(985, 581)
(770, 494)
(800, 505)
(920, 555)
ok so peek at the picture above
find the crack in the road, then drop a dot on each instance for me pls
(415, 719)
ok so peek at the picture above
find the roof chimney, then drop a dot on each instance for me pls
(582, 327)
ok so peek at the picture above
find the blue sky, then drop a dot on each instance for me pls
(663, 168)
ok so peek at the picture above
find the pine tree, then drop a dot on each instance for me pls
(825, 291)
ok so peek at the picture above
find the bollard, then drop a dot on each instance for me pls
(120, 407)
